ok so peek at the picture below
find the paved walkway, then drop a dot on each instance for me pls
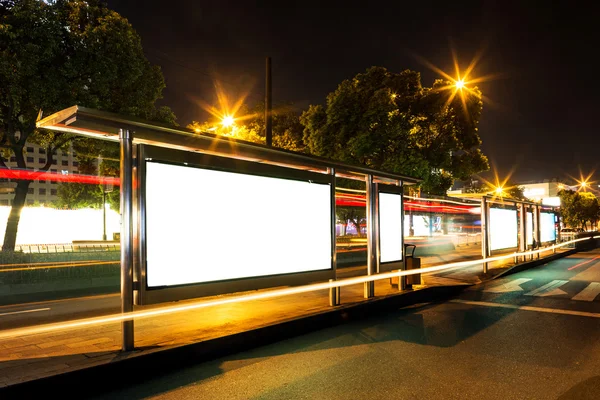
(29, 357)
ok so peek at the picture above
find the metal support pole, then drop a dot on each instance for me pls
(522, 229)
(334, 295)
(402, 279)
(538, 237)
(484, 233)
(369, 289)
(126, 162)
(268, 104)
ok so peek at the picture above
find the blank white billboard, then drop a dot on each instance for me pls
(547, 227)
(205, 225)
(390, 227)
(503, 228)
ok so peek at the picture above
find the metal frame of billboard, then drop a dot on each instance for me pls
(395, 264)
(152, 295)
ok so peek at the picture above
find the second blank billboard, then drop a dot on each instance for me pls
(503, 228)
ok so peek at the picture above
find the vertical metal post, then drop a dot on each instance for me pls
(401, 279)
(126, 162)
(334, 293)
(369, 289)
(484, 233)
(268, 104)
(538, 237)
(522, 228)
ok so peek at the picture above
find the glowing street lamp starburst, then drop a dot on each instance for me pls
(227, 121)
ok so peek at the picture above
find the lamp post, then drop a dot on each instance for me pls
(104, 214)
(106, 188)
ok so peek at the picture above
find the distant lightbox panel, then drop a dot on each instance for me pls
(390, 227)
(529, 228)
(503, 228)
(205, 225)
(547, 227)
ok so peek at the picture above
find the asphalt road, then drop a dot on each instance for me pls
(530, 335)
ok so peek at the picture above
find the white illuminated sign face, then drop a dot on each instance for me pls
(529, 228)
(204, 225)
(503, 228)
(390, 227)
(547, 227)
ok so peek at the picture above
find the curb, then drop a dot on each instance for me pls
(128, 371)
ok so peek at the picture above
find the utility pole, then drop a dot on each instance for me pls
(268, 105)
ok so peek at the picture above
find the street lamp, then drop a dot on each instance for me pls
(227, 121)
(459, 84)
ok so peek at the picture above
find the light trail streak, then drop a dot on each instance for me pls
(583, 263)
(475, 204)
(43, 263)
(82, 323)
(85, 264)
(24, 311)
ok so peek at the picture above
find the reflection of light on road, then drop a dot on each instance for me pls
(35, 267)
(198, 304)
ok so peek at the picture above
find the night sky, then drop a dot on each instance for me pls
(541, 109)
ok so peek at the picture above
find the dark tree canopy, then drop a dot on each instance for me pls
(57, 54)
(388, 121)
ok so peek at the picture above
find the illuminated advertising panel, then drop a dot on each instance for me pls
(503, 228)
(204, 225)
(547, 227)
(529, 229)
(390, 227)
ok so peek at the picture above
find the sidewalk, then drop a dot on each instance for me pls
(31, 357)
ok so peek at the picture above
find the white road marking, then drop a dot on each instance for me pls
(550, 289)
(24, 311)
(527, 308)
(512, 286)
(589, 293)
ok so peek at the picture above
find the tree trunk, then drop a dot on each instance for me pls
(12, 225)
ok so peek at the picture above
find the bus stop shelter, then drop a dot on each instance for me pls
(180, 192)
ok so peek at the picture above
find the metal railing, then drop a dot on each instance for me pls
(65, 247)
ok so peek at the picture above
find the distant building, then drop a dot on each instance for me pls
(543, 192)
(41, 191)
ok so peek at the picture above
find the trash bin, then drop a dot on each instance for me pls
(411, 262)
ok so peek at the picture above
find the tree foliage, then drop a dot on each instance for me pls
(57, 54)
(389, 121)
(287, 130)
(579, 208)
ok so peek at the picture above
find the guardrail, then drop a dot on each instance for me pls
(66, 247)
(467, 239)
(333, 286)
